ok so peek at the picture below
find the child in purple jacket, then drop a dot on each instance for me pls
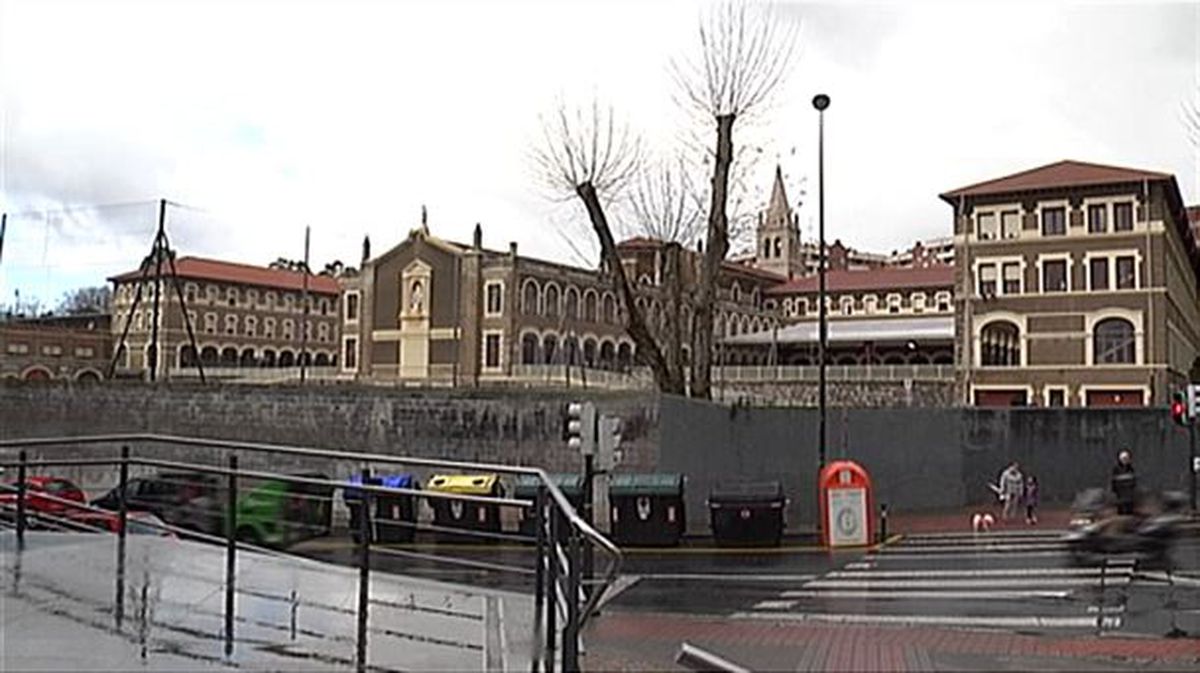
(1031, 499)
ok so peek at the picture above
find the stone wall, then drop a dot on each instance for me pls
(512, 427)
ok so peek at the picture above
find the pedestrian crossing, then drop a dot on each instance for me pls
(1012, 580)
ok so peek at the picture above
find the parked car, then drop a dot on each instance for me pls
(139, 523)
(50, 496)
(279, 513)
(186, 499)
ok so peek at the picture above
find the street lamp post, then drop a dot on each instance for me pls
(820, 102)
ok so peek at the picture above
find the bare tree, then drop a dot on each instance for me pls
(745, 53)
(586, 154)
(664, 205)
(85, 300)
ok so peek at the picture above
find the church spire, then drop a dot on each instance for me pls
(778, 209)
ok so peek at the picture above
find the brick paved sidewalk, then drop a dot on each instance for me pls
(627, 641)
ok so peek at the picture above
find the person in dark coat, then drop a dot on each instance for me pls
(1124, 483)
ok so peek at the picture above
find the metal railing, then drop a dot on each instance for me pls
(564, 597)
(848, 373)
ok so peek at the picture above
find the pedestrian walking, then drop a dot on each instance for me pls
(1012, 488)
(1124, 483)
(1031, 499)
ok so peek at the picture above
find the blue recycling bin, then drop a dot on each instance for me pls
(394, 518)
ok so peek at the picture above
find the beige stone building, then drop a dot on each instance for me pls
(1076, 286)
(243, 316)
(431, 310)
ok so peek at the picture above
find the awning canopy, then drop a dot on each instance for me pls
(923, 329)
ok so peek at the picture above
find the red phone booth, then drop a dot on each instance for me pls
(847, 503)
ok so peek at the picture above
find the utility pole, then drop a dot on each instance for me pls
(3, 227)
(304, 301)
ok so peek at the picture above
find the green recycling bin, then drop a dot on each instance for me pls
(527, 487)
(647, 509)
(747, 513)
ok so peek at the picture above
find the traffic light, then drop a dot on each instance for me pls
(581, 427)
(609, 441)
(1179, 408)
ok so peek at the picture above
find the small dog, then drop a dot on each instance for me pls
(982, 522)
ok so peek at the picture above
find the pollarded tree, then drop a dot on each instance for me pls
(745, 53)
(586, 154)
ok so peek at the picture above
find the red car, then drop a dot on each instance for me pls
(44, 495)
(139, 523)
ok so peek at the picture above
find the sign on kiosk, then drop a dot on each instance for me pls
(847, 501)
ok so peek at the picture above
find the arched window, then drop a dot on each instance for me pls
(589, 353)
(608, 354)
(767, 249)
(1113, 342)
(609, 309)
(551, 300)
(589, 306)
(572, 304)
(1000, 345)
(778, 247)
(549, 349)
(529, 297)
(736, 291)
(624, 356)
(529, 349)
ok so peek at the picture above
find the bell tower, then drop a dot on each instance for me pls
(779, 234)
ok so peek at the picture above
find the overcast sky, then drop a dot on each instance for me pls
(348, 116)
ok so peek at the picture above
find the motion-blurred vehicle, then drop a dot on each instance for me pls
(138, 523)
(50, 496)
(182, 499)
(1097, 532)
(269, 512)
(279, 513)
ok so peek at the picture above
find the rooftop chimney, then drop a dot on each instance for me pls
(512, 248)
(477, 242)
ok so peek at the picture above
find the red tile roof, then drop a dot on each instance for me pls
(198, 268)
(1060, 174)
(885, 278)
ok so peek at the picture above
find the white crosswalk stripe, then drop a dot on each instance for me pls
(1016, 580)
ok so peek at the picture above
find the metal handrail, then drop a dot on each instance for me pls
(561, 503)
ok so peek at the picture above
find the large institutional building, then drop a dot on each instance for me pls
(1076, 286)
(1071, 284)
(242, 316)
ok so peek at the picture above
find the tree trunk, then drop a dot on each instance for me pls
(635, 324)
(674, 329)
(716, 246)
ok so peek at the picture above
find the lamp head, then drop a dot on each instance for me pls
(820, 101)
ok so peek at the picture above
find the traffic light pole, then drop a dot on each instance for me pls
(1192, 466)
(589, 559)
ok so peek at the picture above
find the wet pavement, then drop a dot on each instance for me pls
(1024, 582)
(64, 609)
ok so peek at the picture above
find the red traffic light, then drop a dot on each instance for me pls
(1179, 409)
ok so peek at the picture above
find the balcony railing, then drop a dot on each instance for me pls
(263, 374)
